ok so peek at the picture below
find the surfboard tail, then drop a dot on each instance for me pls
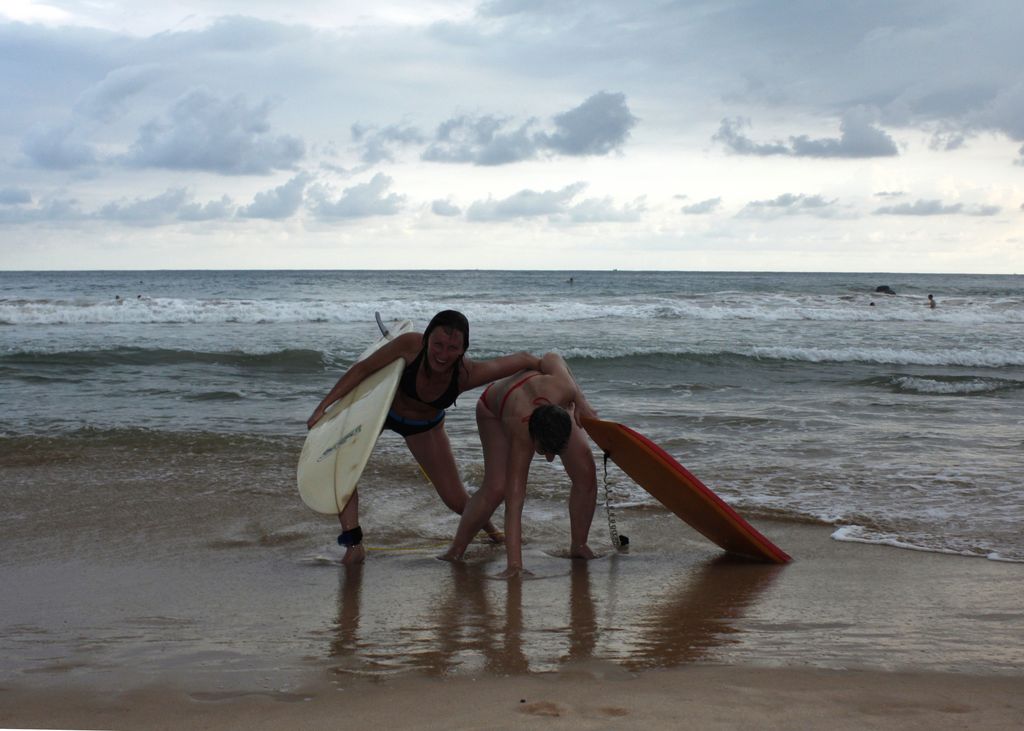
(681, 491)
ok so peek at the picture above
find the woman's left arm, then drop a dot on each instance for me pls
(486, 371)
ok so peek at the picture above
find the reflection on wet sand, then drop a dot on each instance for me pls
(466, 621)
(690, 619)
(345, 643)
(583, 628)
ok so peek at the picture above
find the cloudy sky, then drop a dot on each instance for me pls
(538, 134)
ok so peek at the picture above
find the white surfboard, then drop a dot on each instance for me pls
(339, 445)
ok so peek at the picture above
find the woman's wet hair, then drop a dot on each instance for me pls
(551, 426)
(450, 321)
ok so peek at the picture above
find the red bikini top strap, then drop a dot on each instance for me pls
(501, 409)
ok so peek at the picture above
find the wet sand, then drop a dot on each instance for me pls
(702, 696)
(848, 636)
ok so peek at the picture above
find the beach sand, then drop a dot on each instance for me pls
(668, 635)
(704, 697)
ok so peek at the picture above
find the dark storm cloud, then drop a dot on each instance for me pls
(204, 132)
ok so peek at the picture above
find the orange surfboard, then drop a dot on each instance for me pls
(677, 489)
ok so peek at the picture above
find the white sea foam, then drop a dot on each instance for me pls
(939, 386)
(858, 534)
(717, 307)
(989, 358)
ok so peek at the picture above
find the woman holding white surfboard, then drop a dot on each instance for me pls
(436, 372)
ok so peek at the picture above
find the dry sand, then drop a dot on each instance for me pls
(700, 697)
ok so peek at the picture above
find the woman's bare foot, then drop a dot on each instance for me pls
(451, 556)
(494, 535)
(582, 551)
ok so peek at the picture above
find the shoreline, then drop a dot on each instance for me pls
(849, 635)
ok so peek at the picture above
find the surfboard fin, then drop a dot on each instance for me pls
(380, 324)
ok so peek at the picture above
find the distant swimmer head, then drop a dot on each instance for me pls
(451, 322)
(550, 427)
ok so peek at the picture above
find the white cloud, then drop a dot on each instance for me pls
(705, 206)
(605, 210)
(210, 211)
(937, 208)
(111, 97)
(58, 147)
(858, 139)
(159, 209)
(50, 211)
(789, 204)
(524, 204)
(14, 196)
(204, 132)
(598, 126)
(378, 144)
(281, 202)
(555, 205)
(105, 106)
(445, 208)
(481, 141)
(358, 201)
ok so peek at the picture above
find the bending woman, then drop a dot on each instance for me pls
(437, 371)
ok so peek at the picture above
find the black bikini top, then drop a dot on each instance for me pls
(408, 384)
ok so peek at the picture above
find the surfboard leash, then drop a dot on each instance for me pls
(618, 540)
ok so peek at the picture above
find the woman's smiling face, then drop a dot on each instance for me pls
(444, 347)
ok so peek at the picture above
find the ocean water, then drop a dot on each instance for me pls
(164, 411)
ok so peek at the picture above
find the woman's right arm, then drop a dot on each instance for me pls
(361, 370)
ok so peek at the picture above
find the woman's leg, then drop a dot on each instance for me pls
(578, 462)
(433, 450)
(349, 519)
(492, 492)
